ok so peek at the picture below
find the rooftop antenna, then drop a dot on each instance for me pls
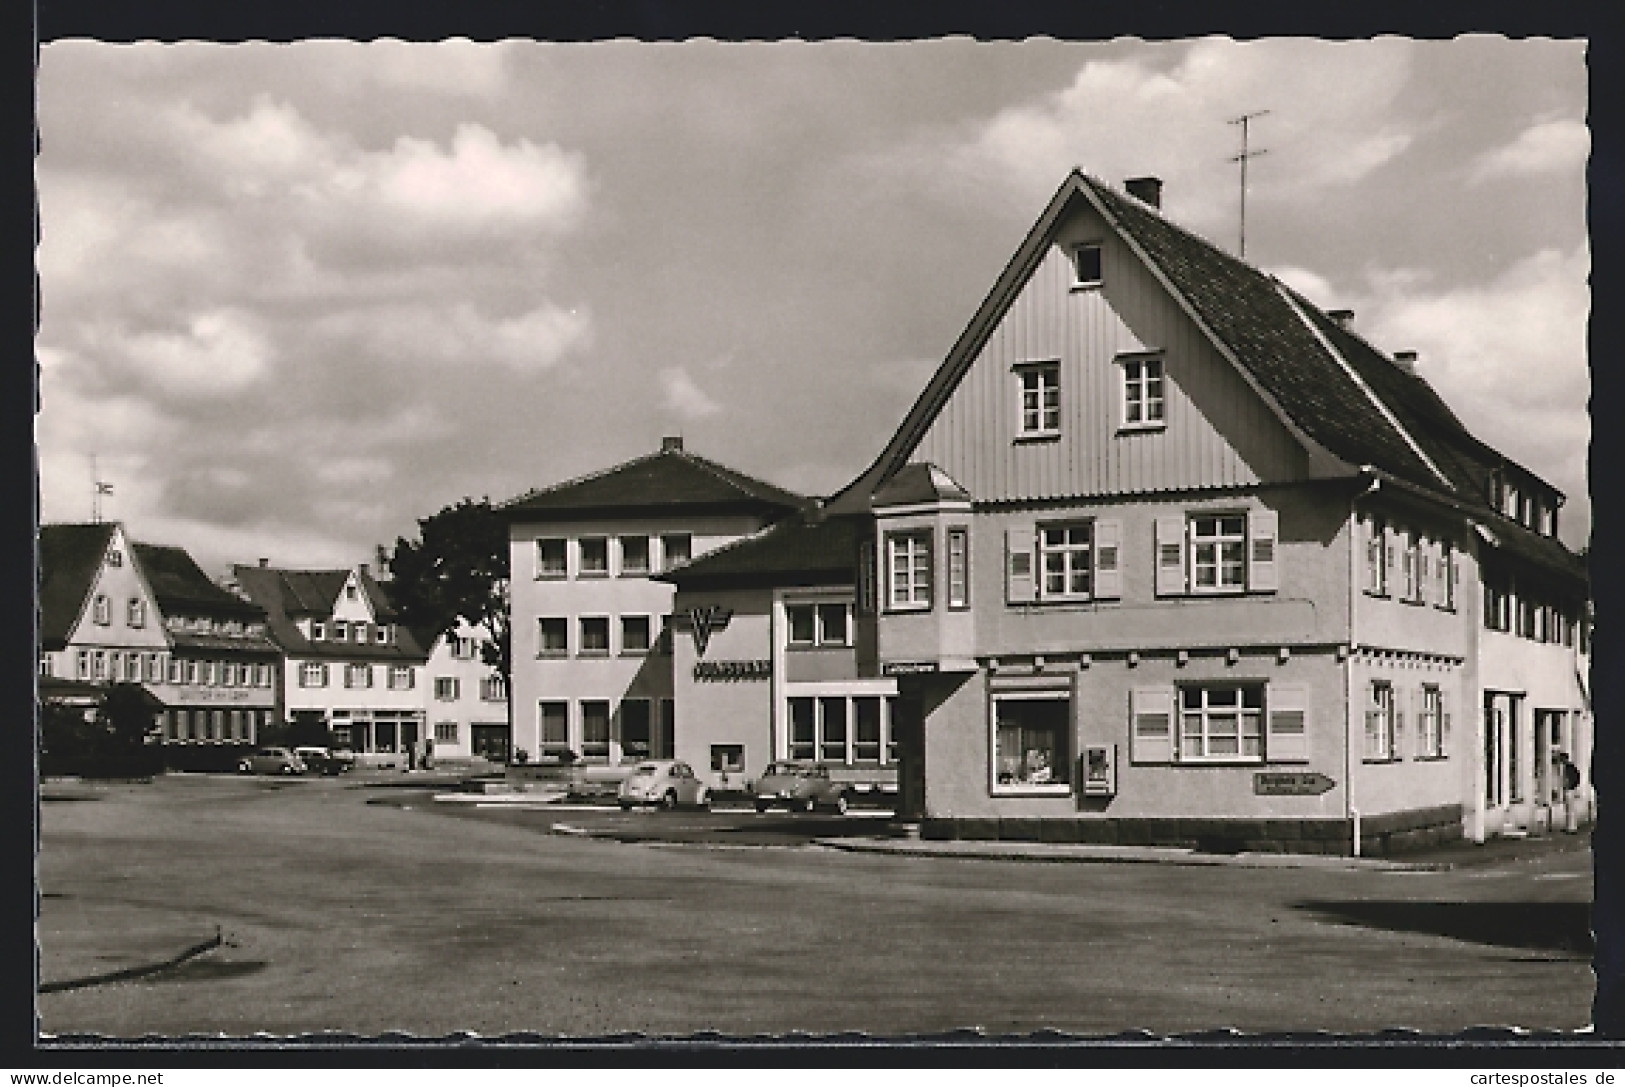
(1242, 158)
(102, 487)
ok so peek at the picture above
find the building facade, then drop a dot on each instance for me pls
(353, 673)
(592, 655)
(465, 698)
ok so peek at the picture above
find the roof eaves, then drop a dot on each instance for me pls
(512, 505)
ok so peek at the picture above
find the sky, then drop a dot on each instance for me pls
(295, 297)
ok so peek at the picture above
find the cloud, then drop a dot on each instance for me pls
(1312, 285)
(218, 354)
(1556, 145)
(460, 335)
(684, 397)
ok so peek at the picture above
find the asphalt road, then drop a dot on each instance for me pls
(366, 911)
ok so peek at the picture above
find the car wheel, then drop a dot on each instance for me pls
(761, 807)
(841, 804)
(626, 805)
(669, 801)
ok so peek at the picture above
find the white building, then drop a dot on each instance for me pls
(465, 698)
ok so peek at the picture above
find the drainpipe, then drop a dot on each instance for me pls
(1348, 667)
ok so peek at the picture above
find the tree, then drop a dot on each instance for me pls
(457, 569)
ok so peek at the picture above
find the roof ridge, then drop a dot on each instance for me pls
(599, 473)
(731, 476)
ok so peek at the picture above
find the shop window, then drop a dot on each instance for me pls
(594, 556)
(866, 729)
(634, 556)
(832, 729)
(1221, 722)
(803, 729)
(908, 563)
(551, 558)
(1032, 740)
(595, 730)
(1040, 399)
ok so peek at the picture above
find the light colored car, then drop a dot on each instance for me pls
(802, 786)
(320, 760)
(271, 760)
(665, 782)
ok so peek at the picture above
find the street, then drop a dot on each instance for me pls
(363, 910)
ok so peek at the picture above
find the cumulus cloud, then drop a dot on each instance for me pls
(1555, 145)
(461, 335)
(685, 397)
(218, 354)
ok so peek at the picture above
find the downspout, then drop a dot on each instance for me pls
(1353, 813)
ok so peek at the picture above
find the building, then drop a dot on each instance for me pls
(592, 665)
(1163, 553)
(354, 675)
(466, 699)
(113, 610)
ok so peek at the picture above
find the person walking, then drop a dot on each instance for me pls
(1570, 776)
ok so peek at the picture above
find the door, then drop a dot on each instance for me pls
(490, 741)
(908, 730)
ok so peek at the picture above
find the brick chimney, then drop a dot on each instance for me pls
(1147, 190)
(1343, 317)
(671, 445)
(1405, 360)
(264, 563)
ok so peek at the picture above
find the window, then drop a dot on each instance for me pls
(136, 613)
(132, 668)
(728, 758)
(313, 675)
(115, 557)
(832, 624)
(155, 668)
(228, 674)
(1380, 723)
(1218, 553)
(1040, 399)
(359, 631)
(908, 562)
(177, 671)
(866, 740)
(1143, 399)
(1064, 561)
(594, 556)
(958, 568)
(383, 634)
(318, 630)
(447, 688)
(83, 664)
(350, 591)
(462, 649)
(818, 624)
(594, 635)
(1497, 603)
(550, 558)
(1086, 270)
(209, 673)
(832, 729)
(634, 555)
(445, 732)
(1032, 744)
(340, 631)
(553, 718)
(635, 734)
(493, 689)
(1376, 569)
(192, 670)
(262, 675)
(803, 729)
(553, 636)
(100, 611)
(1410, 552)
(676, 548)
(635, 634)
(402, 677)
(595, 730)
(803, 626)
(1430, 726)
(358, 675)
(1444, 578)
(1221, 722)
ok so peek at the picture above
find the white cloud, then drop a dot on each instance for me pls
(685, 397)
(461, 335)
(1556, 145)
(219, 354)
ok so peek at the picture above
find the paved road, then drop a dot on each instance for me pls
(345, 914)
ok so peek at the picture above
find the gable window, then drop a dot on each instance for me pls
(1376, 568)
(136, 613)
(1040, 399)
(1086, 265)
(1032, 740)
(493, 689)
(318, 630)
(594, 636)
(958, 568)
(634, 556)
(635, 636)
(550, 558)
(101, 612)
(1064, 560)
(447, 688)
(1221, 722)
(115, 557)
(462, 649)
(908, 565)
(594, 556)
(676, 548)
(1143, 399)
(1380, 723)
(1218, 553)
(553, 634)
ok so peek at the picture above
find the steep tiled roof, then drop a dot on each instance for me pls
(69, 556)
(671, 480)
(796, 551)
(290, 594)
(182, 588)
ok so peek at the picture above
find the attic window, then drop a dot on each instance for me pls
(350, 592)
(1040, 399)
(115, 557)
(1086, 265)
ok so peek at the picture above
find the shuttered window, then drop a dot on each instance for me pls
(1217, 553)
(1020, 587)
(1151, 725)
(1287, 735)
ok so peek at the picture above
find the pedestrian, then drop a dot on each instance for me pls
(1571, 787)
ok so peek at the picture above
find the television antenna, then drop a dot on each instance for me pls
(1246, 153)
(100, 487)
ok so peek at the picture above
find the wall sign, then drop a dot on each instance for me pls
(909, 668)
(715, 671)
(703, 622)
(1311, 784)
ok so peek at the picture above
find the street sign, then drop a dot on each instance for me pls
(909, 668)
(1275, 784)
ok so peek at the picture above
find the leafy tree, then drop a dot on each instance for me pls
(458, 568)
(127, 716)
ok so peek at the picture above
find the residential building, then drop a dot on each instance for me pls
(466, 699)
(115, 610)
(592, 665)
(354, 675)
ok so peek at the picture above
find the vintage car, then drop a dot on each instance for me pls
(802, 786)
(271, 760)
(322, 760)
(665, 782)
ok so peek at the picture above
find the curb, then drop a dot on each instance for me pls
(131, 972)
(1053, 855)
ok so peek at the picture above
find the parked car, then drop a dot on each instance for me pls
(665, 782)
(271, 760)
(800, 786)
(321, 760)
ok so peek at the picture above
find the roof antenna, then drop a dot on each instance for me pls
(101, 487)
(1242, 159)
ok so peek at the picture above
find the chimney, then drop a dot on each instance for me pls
(1343, 317)
(1147, 190)
(671, 445)
(264, 562)
(365, 570)
(1405, 360)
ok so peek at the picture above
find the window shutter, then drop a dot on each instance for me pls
(1020, 582)
(1170, 555)
(1108, 582)
(1287, 739)
(1151, 724)
(1444, 728)
(1262, 533)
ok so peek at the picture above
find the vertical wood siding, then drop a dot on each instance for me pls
(1218, 433)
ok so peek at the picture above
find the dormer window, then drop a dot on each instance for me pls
(341, 631)
(1040, 399)
(318, 630)
(382, 634)
(1086, 265)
